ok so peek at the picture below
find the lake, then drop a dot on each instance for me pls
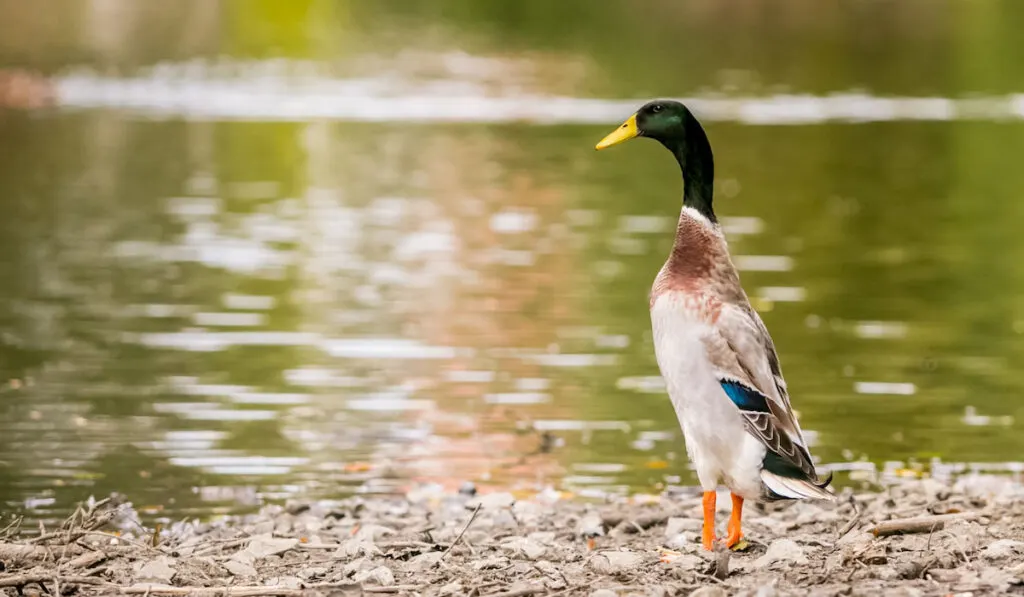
(260, 251)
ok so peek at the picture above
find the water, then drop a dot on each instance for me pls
(246, 262)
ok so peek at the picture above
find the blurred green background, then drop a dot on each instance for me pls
(204, 312)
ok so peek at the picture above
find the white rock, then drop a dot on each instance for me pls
(381, 575)
(590, 525)
(237, 568)
(524, 546)
(1003, 548)
(425, 561)
(604, 593)
(684, 541)
(373, 532)
(492, 501)
(709, 591)
(688, 562)
(782, 550)
(285, 582)
(159, 570)
(262, 546)
(612, 562)
(355, 547)
(491, 563)
(677, 525)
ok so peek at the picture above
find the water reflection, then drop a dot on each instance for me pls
(388, 274)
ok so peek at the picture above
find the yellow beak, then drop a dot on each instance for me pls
(625, 132)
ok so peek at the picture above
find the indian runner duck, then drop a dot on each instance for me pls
(715, 354)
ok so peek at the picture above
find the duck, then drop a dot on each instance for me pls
(719, 363)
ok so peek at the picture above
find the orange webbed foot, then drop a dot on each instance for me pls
(735, 522)
(708, 532)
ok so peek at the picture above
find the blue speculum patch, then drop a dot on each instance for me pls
(744, 397)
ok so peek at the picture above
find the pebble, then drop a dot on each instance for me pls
(262, 546)
(381, 575)
(782, 550)
(425, 561)
(604, 593)
(677, 525)
(241, 569)
(590, 525)
(285, 582)
(614, 562)
(1003, 548)
(158, 570)
(492, 501)
(709, 591)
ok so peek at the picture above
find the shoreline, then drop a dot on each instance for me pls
(915, 537)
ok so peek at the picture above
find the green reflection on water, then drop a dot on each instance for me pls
(359, 230)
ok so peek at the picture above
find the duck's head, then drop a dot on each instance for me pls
(672, 124)
(663, 120)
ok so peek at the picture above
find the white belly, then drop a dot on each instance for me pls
(717, 442)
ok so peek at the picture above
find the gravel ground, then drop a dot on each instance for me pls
(917, 537)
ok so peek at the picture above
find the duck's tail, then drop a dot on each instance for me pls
(780, 487)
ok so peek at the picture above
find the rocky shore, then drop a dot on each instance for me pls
(917, 537)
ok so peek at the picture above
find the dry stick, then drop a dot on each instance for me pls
(857, 513)
(921, 524)
(520, 592)
(24, 579)
(87, 559)
(459, 538)
(248, 591)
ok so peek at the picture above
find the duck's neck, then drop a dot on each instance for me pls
(698, 166)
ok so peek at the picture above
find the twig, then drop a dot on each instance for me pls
(921, 524)
(520, 592)
(857, 513)
(459, 538)
(56, 587)
(250, 591)
(87, 559)
(24, 579)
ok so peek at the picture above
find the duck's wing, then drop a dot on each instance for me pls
(748, 369)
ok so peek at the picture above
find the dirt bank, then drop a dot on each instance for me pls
(433, 543)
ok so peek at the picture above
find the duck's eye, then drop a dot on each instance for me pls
(656, 108)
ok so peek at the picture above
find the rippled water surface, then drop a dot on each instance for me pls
(350, 247)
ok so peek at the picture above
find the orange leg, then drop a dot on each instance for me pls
(735, 532)
(708, 534)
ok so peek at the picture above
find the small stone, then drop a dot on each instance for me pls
(425, 561)
(590, 526)
(312, 572)
(677, 525)
(381, 575)
(355, 547)
(492, 563)
(685, 541)
(492, 501)
(709, 591)
(373, 532)
(159, 570)
(604, 593)
(467, 489)
(903, 592)
(285, 582)
(613, 562)
(1003, 548)
(874, 556)
(781, 550)
(240, 569)
(524, 546)
(452, 588)
(262, 546)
